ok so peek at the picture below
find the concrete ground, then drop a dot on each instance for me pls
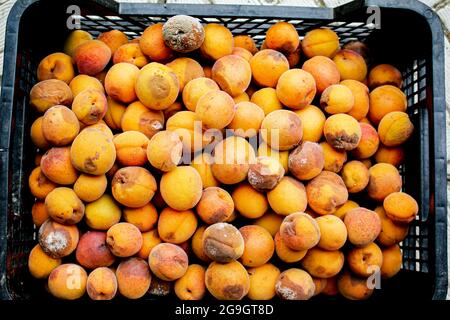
(442, 7)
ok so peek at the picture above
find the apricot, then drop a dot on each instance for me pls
(281, 156)
(83, 82)
(131, 148)
(337, 98)
(326, 193)
(353, 288)
(91, 57)
(384, 179)
(102, 213)
(130, 53)
(333, 159)
(368, 144)
(247, 119)
(293, 95)
(150, 240)
(391, 231)
(355, 176)
(39, 213)
(168, 261)
(320, 42)
(342, 132)
(285, 253)
(120, 82)
(183, 33)
(189, 128)
(56, 166)
(361, 98)
(218, 42)
(74, 39)
(197, 244)
(243, 53)
(92, 251)
(295, 284)
(227, 281)
(41, 264)
(56, 66)
(267, 100)
(330, 288)
(157, 86)
(93, 152)
(258, 246)
(152, 43)
(202, 163)
(164, 150)
(101, 284)
(191, 286)
(324, 72)
(186, 69)
(222, 242)
(265, 173)
(60, 125)
(385, 99)
(392, 261)
(176, 226)
(249, 202)
(124, 239)
(245, 42)
(139, 118)
(392, 155)
(321, 263)
(299, 231)
(37, 135)
(40, 186)
(113, 39)
(262, 282)
(400, 207)
(385, 74)
(294, 57)
(320, 285)
(145, 218)
(363, 226)
(67, 281)
(133, 278)
(215, 205)
(195, 89)
(58, 240)
(288, 196)
(351, 65)
(49, 93)
(313, 120)
(64, 206)
(366, 260)
(133, 186)
(306, 161)
(90, 106)
(282, 36)
(282, 130)
(270, 221)
(265, 60)
(181, 188)
(333, 232)
(215, 109)
(395, 128)
(232, 158)
(359, 47)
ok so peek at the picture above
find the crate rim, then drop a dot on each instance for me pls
(286, 12)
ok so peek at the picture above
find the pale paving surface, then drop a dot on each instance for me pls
(442, 7)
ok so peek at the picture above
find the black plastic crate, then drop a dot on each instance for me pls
(410, 38)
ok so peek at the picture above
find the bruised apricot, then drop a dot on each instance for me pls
(337, 98)
(384, 179)
(139, 118)
(326, 193)
(229, 281)
(90, 106)
(222, 242)
(299, 231)
(265, 173)
(64, 206)
(282, 130)
(306, 161)
(342, 132)
(133, 278)
(124, 239)
(101, 284)
(232, 73)
(352, 287)
(366, 260)
(295, 284)
(130, 53)
(268, 59)
(168, 261)
(60, 125)
(285, 253)
(215, 205)
(131, 148)
(49, 93)
(282, 36)
(245, 42)
(40, 186)
(56, 66)
(293, 95)
(324, 71)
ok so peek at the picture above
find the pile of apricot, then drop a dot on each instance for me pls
(148, 180)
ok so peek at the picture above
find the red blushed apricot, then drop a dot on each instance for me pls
(293, 95)
(67, 281)
(245, 42)
(218, 42)
(130, 53)
(57, 166)
(385, 99)
(233, 74)
(91, 57)
(92, 251)
(368, 144)
(113, 39)
(74, 39)
(351, 65)
(56, 66)
(282, 36)
(186, 69)
(265, 60)
(384, 179)
(306, 161)
(324, 71)
(361, 98)
(384, 74)
(320, 42)
(120, 81)
(152, 44)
